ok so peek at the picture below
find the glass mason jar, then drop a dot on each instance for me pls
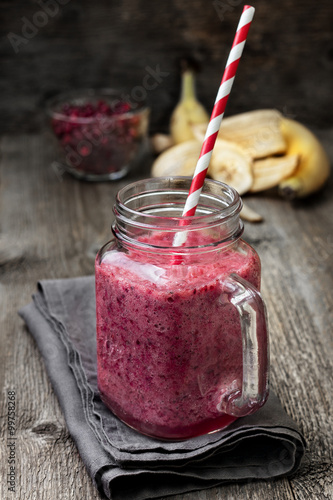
(182, 346)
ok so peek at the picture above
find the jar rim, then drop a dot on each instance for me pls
(212, 189)
(80, 96)
(139, 206)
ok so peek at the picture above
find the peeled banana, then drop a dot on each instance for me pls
(161, 142)
(254, 151)
(313, 168)
(250, 215)
(177, 160)
(188, 111)
(268, 172)
(229, 163)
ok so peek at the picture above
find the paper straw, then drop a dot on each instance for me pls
(216, 118)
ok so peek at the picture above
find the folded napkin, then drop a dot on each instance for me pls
(123, 463)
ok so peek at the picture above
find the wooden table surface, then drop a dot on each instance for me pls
(52, 226)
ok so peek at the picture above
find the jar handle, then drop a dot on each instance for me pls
(253, 319)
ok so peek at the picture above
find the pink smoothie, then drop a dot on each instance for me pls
(168, 340)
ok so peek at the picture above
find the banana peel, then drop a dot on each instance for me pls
(188, 112)
(258, 132)
(313, 167)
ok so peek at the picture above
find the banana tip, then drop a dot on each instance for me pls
(288, 192)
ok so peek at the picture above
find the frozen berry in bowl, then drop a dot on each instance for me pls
(99, 134)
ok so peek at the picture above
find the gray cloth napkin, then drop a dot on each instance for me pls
(123, 463)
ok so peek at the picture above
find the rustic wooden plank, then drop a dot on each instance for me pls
(47, 461)
(51, 228)
(297, 258)
(48, 464)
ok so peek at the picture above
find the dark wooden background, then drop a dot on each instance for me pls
(52, 225)
(288, 61)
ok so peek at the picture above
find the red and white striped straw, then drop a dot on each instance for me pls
(216, 117)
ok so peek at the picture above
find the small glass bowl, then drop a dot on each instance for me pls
(99, 134)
